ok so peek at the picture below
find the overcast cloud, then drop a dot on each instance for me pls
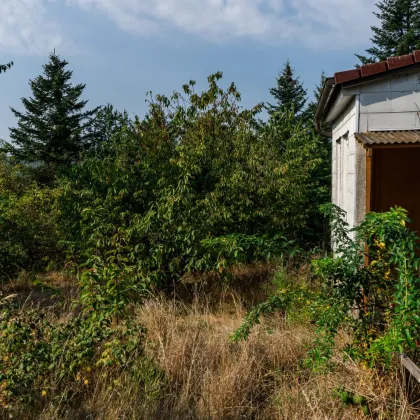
(26, 26)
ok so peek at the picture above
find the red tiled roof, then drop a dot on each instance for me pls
(377, 68)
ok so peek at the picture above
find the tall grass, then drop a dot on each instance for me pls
(190, 370)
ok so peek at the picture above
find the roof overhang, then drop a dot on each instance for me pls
(337, 93)
(342, 101)
(328, 91)
(389, 138)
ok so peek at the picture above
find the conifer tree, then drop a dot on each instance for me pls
(108, 121)
(289, 93)
(318, 88)
(311, 108)
(5, 67)
(53, 129)
(321, 174)
(399, 32)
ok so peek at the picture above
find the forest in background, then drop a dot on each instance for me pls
(137, 252)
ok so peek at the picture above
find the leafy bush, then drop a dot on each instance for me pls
(376, 278)
(29, 232)
(39, 355)
(308, 156)
(106, 290)
(165, 194)
(371, 288)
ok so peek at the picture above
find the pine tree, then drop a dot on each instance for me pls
(289, 93)
(318, 88)
(108, 122)
(311, 108)
(399, 32)
(53, 130)
(321, 175)
(5, 67)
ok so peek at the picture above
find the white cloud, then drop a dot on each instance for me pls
(315, 23)
(24, 27)
(312, 22)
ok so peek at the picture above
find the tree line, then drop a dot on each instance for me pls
(198, 183)
(189, 187)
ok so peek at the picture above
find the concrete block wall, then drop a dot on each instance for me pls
(344, 162)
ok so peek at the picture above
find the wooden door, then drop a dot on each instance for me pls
(396, 181)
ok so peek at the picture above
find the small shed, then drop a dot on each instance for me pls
(374, 116)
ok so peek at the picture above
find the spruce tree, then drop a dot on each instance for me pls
(289, 93)
(318, 88)
(5, 67)
(399, 32)
(311, 108)
(53, 132)
(321, 174)
(108, 122)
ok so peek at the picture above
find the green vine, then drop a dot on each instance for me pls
(370, 289)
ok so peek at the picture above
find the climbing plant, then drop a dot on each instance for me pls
(370, 288)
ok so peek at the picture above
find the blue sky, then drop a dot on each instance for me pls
(122, 49)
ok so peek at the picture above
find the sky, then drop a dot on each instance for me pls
(122, 49)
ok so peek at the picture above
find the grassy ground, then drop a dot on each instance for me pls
(190, 370)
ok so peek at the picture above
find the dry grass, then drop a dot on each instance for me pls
(208, 377)
(43, 293)
(211, 378)
(190, 370)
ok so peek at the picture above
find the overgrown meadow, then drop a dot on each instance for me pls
(179, 266)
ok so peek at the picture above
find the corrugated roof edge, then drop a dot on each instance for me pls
(389, 137)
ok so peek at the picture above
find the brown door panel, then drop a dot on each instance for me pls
(396, 181)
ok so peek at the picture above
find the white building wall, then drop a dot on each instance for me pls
(392, 103)
(344, 161)
(389, 104)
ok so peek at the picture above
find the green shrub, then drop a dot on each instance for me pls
(166, 194)
(40, 355)
(106, 290)
(377, 303)
(380, 299)
(29, 233)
